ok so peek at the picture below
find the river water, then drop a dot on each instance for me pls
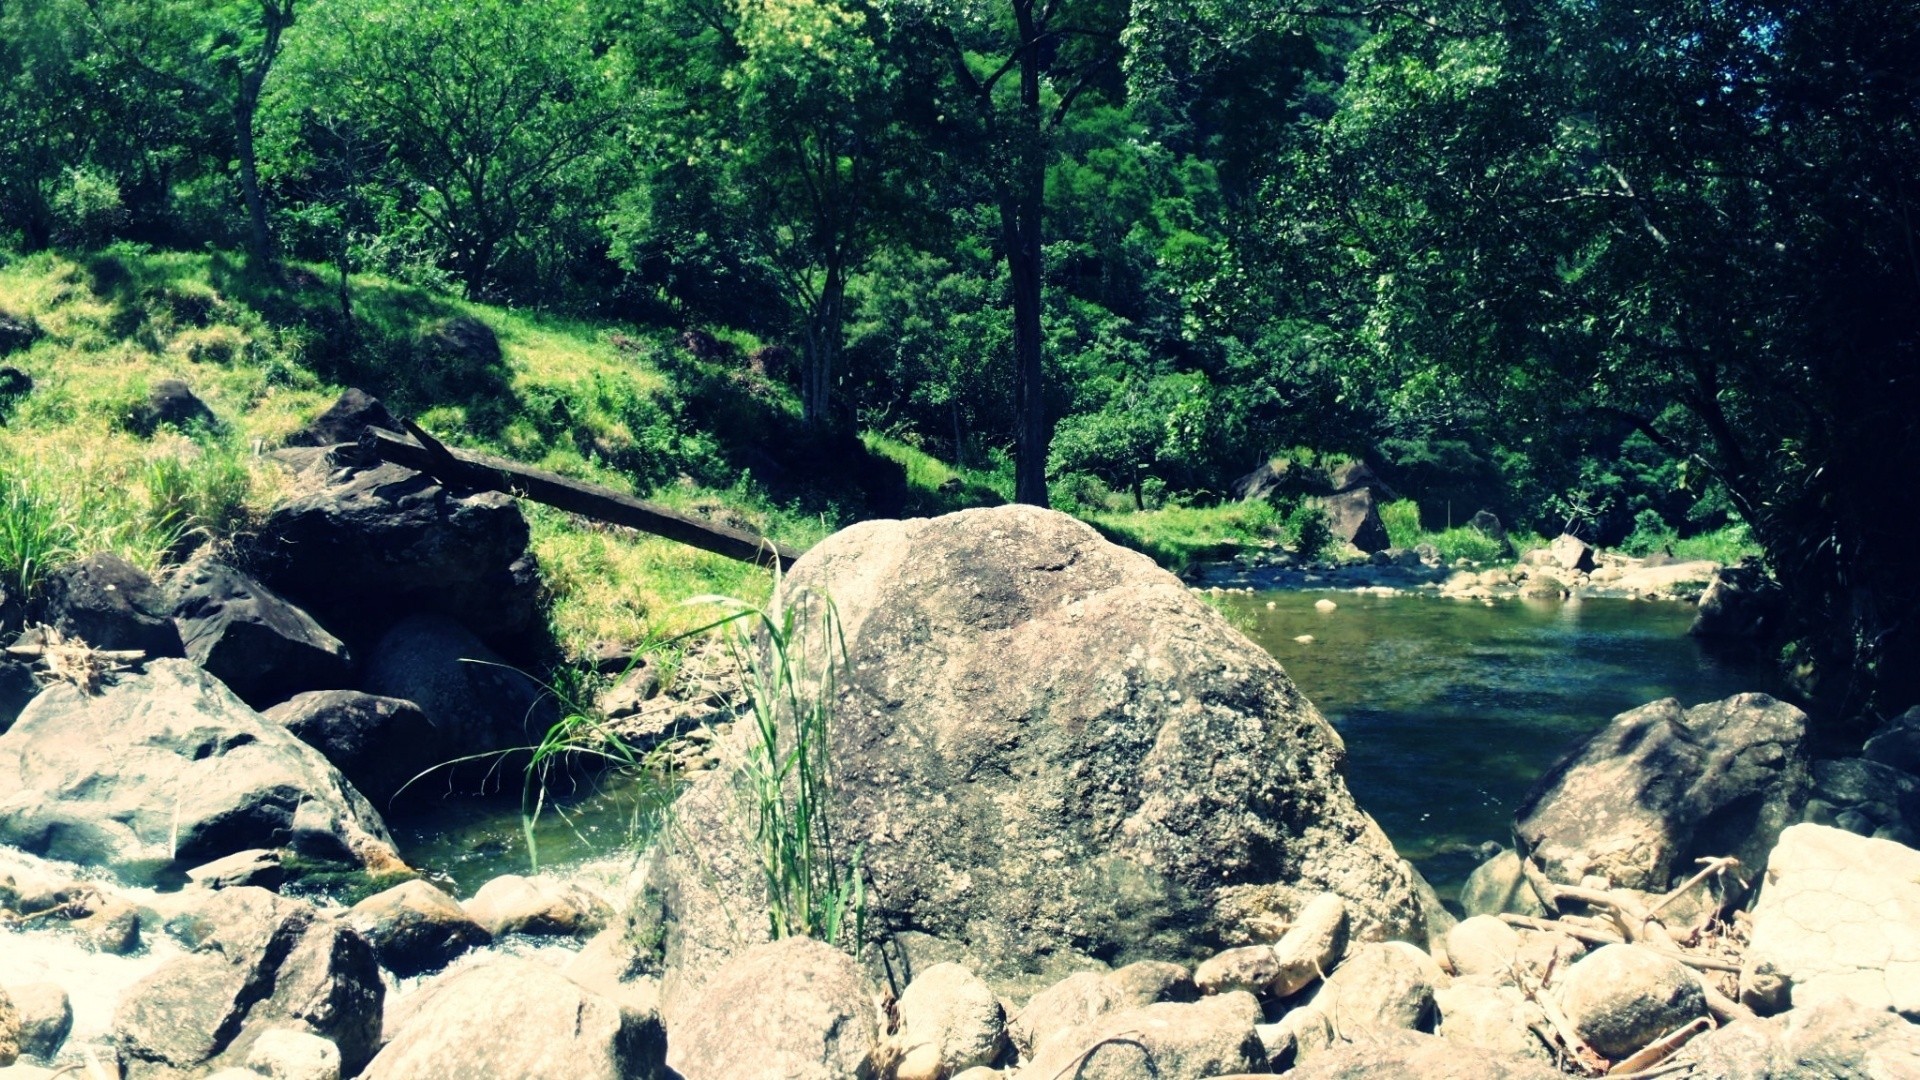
(1451, 709)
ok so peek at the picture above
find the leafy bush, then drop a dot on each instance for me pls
(1307, 525)
(1402, 519)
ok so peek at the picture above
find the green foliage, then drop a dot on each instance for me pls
(1307, 529)
(35, 537)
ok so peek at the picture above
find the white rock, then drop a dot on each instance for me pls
(285, 1054)
(1839, 916)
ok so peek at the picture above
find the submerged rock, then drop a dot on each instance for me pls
(1047, 750)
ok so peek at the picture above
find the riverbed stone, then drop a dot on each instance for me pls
(248, 637)
(474, 701)
(513, 1017)
(1048, 752)
(166, 771)
(1839, 916)
(44, 1018)
(415, 928)
(1569, 552)
(793, 1009)
(255, 866)
(1313, 946)
(542, 906)
(9, 1030)
(949, 1020)
(1375, 1054)
(1496, 1019)
(1499, 886)
(1382, 984)
(286, 1054)
(1622, 997)
(1483, 945)
(1837, 1037)
(1662, 785)
(1084, 995)
(1209, 1037)
(377, 743)
(108, 603)
(1250, 968)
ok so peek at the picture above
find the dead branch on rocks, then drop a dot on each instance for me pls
(1583, 1059)
(69, 659)
(1659, 1049)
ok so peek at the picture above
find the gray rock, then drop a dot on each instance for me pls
(1483, 945)
(951, 1020)
(1497, 1019)
(415, 928)
(1085, 995)
(518, 1018)
(171, 402)
(255, 866)
(1569, 552)
(286, 1054)
(1047, 748)
(380, 542)
(1315, 944)
(1839, 916)
(1499, 886)
(1741, 602)
(44, 1018)
(1896, 744)
(259, 962)
(262, 647)
(1487, 524)
(1250, 968)
(1622, 997)
(109, 603)
(511, 904)
(352, 413)
(378, 743)
(1354, 518)
(1661, 786)
(1378, 1054)
(1836, 1039)
(17, 687)
(1209, 1037)
(1866, 796)
(475, 702)
(17, 333)
(1381, 985)
(793, 1009)
(9, 1030)
(166, 771)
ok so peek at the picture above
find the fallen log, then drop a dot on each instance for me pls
(462, 468)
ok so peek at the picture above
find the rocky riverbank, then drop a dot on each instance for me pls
(1097, 833)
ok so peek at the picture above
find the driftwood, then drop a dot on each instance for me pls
(1596, 937)
(461, 468)
(1659, 1049)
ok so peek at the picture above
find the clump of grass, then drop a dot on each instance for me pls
(1402, 519)
(789, 656)
(36, 535)
(1176, 537)
(1726, 545)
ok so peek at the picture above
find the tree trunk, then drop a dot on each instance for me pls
(1021, 209)
(823, 347)
(260, 238)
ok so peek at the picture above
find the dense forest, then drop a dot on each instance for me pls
(1619, 269)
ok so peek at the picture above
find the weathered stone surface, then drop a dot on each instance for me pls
(44, 1018)
(286, 1054)
(1741, 602)
(1569, 552)
(1865, 797)
(1354, 517)
(254, 866)
(1837, 1038)
(1896, 744)
(1499, 885)
(1046, 746)
(1205, 1038)
(1661, 786)
(511, 904)
(415, 928)
(1249, 968)
(262, 647)
(1483, 945)
(1487, 524)
(793, 1009)
(473, 700)
(376, 543)
(1622, 997)
(377, 743)
(518, 1018)
(9, 1030)
(353, 412)
(109, 603)
(951, 1019)
(1839, 916)
(17, 687)
(1084, 995)
(260, 962)
(1386, 984)
(1496, 1019)
(166, 770)
(1379, 1054)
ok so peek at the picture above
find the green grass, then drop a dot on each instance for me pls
(1176, 537)
(1402, 519)
(1726, 545)
(935, 487)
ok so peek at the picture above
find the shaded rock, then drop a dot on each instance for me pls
(262, 647)
(1354, 517)
(1496, 1019)
(354, 412)
(376, 543)
(1661, 786)
(1741, 602)
(43, 1018)
(1836, 1038)
(1249, 968)
(1839, 916)
(171, 402)
(1357, 474)
(259, 867)
(1569, 552)
(163, 772)
(17, 333)
(1378, 1054)
(1047, 749)
(109, 603)
(951, 1019)
(1483, 945)
(377, 743)
(1896, 744)
(1865, 797)
(1487, 524)
(518, 1018)
(260, 962)
(1197, 1039)
(474, 702)
(793, 1009)
(1622, 997)
(286, 1054)
(1262, 481)
(415, 928)
(1085, 995)
(110, 925)
(17, 687)
(511, 904)
(1499, 886)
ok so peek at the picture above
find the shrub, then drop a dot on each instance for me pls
(1308, 527)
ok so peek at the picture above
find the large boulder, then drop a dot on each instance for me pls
(1354, 517)
(260, 962)
(519, 1018)
(1741, 602)
(1047, 751)
(473, 699)
(1895, 744)
(1622, 997)
(166, 771)
(793, 1009)
(377, 743)
(1838, 1038)
(354, 412)
(1569, 552)
(109, 603)
(262, 647)
(1661, 786)
(1839, 916)
(374, 543)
